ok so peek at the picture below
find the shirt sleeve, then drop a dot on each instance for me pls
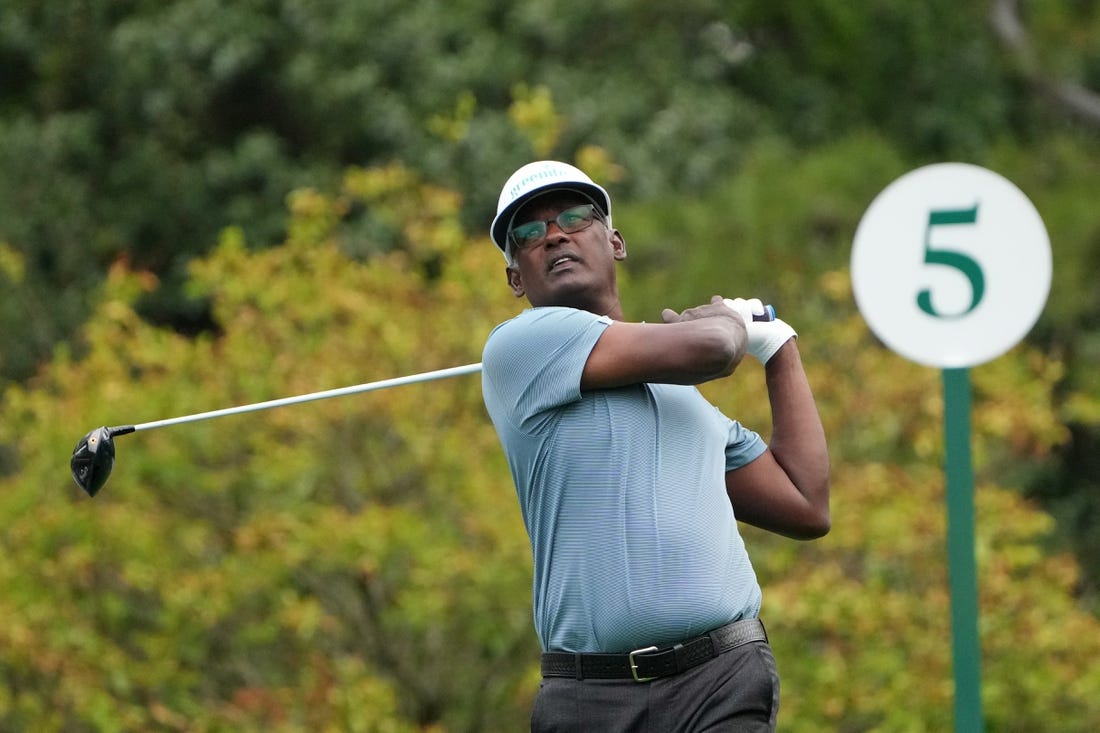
(534, 362)
(743, 446)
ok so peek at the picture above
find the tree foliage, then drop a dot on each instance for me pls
(348, 565)
(207, 204)
(360, 564)
(141, 129)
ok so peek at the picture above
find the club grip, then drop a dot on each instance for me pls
(767, 315)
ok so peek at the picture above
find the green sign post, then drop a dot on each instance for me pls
(951, 267)
(961, 566)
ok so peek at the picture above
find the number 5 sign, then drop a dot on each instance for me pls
(951, 265)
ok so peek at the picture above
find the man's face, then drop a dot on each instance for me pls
(569, 269)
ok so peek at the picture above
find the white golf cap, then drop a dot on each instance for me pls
(540, 177)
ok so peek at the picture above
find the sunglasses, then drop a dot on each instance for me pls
(571, 220)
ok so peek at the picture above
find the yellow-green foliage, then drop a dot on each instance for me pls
(861, 619)
(360, 564)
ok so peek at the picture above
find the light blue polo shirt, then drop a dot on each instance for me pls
(622, 492)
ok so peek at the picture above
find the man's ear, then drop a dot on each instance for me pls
(618, 244)
(515, 281)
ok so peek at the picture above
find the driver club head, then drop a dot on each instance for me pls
(92, 461)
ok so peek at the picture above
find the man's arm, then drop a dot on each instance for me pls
(700, 344)
(786, 489)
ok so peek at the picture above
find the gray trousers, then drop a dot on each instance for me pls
(735, 691)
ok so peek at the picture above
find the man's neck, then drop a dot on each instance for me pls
(613, 309)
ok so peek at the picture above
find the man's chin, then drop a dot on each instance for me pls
(568, 294)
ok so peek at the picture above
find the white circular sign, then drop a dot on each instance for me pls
(951, 265)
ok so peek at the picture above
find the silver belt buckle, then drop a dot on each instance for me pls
(634, 665)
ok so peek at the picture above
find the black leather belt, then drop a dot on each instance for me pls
(649, 663)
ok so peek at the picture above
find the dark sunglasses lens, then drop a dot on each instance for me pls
(577, 218)
(525, 234)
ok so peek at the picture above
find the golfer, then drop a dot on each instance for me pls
(631, 483)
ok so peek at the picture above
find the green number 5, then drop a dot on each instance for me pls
(950, 258)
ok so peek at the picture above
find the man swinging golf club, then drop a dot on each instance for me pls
(631, 483)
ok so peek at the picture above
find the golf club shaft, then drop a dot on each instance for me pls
(311, 397)
(768, 315)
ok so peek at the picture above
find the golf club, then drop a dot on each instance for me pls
(94, 456)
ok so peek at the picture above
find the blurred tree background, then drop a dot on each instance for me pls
(205, 204)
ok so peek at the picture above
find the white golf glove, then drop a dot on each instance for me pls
(765, 336)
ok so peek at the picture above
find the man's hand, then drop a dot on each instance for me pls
(765, 337)
(716, 307)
